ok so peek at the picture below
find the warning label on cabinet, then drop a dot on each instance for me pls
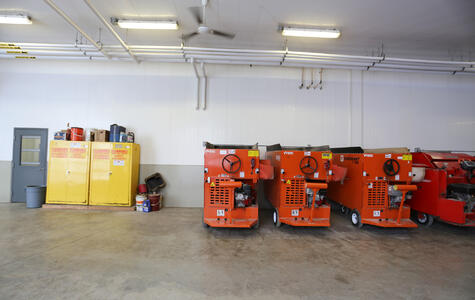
(120, 163)
(59, 152)
(77, 153)
(120, 154)
(101, 153)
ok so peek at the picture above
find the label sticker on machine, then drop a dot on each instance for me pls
(254, 153)
(327, 156)
(387, 155)
(376, 213)
(220, 212)
(407, 157)
(232, 151)
(342, 158)
(307, 153)
(241, 174)
(315, 175)
(368, 155)
(397, 177)
(119, 163)
(223, 152)
(295, 212)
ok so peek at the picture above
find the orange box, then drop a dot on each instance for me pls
(231, 173)
(298, 191)
(374, 188)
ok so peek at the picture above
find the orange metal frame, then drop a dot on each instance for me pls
(287, 192)
(219, 186)
(365, 187)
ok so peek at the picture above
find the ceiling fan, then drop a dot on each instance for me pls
(200, 16)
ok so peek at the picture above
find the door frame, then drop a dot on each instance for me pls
(13, 156)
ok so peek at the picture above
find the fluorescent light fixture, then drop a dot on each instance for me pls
(14, 19)
(311, 32)
(135, 24)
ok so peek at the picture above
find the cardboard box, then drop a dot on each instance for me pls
(101, 136)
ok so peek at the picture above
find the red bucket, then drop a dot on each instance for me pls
(77, 134)
(155, 201)
(142, 188)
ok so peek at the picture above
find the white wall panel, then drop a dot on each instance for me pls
(245, 105)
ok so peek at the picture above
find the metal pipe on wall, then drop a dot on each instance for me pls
(109, 27)
(197, 84)
(254, 57)
(205, 85)
(72, 23)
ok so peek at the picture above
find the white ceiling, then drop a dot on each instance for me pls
(417, 28)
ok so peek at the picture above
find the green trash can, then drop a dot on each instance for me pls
(35, 196)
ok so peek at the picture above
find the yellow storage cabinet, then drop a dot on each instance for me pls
(68, 172)
(114, 173)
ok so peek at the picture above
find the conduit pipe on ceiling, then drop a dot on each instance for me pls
(197, 84)
(109, 27)
(76, 26)
(205, 88)
(262, 58)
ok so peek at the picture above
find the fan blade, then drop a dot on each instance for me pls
(196, 12)
(189, 35)
(222, 33)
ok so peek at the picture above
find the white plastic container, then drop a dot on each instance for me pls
(139, 199)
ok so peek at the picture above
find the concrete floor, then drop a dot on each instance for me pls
(47, 254)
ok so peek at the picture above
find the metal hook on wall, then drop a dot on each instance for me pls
(320, 82)
(303, 78)
(311, 82)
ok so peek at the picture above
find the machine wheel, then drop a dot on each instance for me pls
(356, 218)
(255, 226)
(424, 219)
(343, 210)
(275, 218)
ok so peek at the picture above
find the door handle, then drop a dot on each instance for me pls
(67, 172)
(110, 173)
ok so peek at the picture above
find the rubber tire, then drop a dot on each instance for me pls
(356, 218)
(428, 220)
(343, 210)
(256, 225)
(275, 218)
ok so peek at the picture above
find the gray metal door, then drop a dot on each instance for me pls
(29, 160)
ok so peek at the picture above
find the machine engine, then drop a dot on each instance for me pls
(243, 196)
(463, 192)
(319, 197)
(395, 197)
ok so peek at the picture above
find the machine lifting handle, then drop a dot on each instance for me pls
(316, 185)
(404, 189)
(231, 184)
